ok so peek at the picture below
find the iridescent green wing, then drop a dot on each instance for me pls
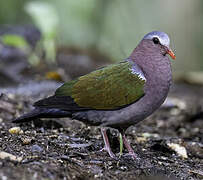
(108, 88)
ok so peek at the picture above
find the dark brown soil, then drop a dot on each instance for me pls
(66, 149)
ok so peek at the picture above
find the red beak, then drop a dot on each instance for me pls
(170, 52)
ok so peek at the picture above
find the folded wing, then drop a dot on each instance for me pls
(109, 88)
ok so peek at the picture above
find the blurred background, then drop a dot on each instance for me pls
(62, 39)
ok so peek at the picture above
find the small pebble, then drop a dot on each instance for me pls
(175, 111)
(123, 168)
(11, 96)
(180, 150)
(26, 141)
(5, 155)
(163, 158)
(15, 130)
(3, 177)
(148, 135)
(36, 148)
(159, 162)
(55, 131)
(141, 139)
(98, 175)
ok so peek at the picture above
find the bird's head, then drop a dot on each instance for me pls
(160, 40)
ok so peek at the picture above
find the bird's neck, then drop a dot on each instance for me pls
(155, 66)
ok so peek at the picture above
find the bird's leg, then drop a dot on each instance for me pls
(121, 144)
(129, 148)
(106, 142)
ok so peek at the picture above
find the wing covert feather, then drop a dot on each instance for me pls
(108, 88)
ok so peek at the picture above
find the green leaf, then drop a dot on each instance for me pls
(14, 40)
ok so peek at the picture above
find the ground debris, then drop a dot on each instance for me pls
(180, 150)
(15, 130)
(199, 173)
(64, 149)
(11, 157)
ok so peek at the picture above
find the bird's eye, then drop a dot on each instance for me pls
(155, 40)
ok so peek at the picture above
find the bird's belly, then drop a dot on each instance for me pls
(124, 117)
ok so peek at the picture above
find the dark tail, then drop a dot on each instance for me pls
(42, 113)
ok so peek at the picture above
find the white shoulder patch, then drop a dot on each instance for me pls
(135, 69)
(139, 73)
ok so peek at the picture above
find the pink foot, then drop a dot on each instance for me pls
(129, 148)
(107, 145)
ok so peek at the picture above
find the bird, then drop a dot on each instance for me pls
(116, 96)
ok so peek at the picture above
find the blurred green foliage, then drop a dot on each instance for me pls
(114, 27)
(14, 40)
(48, 26)
(12, 12)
